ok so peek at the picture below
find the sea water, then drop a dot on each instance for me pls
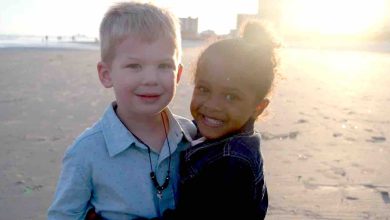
(49, 42)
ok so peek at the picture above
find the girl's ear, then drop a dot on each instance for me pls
(104, 74)
(179, 72)
(261, 106)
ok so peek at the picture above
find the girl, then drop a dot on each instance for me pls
(222, 177)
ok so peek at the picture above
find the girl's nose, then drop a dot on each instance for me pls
(213, 104)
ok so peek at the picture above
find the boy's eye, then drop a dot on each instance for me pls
(166, 66)
(134, 66)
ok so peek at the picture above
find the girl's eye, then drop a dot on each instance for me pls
(201, 89)
(231, 97)
(166, 66)
(134, 66)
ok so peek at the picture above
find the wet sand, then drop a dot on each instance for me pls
(326, 134)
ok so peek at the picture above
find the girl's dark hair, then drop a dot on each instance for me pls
(251, 55)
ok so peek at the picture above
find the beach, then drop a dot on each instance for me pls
(326, 133)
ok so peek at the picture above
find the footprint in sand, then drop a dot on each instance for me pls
(385, 197)
(339, 171)
(376, 139)
(351, 139)
(304, 156)
(351, 198)
(308, 184)
(333, 172)
(301, 121)
(337, 134)
(269, 136)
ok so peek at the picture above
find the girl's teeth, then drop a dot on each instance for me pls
(212, 122)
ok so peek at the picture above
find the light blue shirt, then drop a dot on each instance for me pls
(108, 169)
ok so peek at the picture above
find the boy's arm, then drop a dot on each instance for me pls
(71, 200)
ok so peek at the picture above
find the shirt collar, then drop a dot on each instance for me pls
(118, 138)
(116, 135)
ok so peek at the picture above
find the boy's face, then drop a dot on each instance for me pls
(144, 76)
(222, 101)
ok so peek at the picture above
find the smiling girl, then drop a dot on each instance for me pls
(222, 176)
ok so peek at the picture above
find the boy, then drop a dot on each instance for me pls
(117, 167)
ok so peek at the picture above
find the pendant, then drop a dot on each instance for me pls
(159, 194)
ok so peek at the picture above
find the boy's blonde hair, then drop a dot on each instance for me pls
(144, 21)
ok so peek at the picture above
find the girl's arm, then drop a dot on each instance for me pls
(230, 191)
(226, 189)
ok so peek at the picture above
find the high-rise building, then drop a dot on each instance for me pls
(270, 10)
(189, 27)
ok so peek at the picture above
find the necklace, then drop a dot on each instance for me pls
(159, 188)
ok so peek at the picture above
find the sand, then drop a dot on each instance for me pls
(326, 133)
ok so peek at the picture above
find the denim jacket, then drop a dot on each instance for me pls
(223, 179)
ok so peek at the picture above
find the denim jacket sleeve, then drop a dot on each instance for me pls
(231, 190)
(227, 191)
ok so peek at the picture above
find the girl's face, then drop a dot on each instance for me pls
(222, 101)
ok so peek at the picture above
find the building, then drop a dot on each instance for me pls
(270, 10)
(189, 28)
(243, 18)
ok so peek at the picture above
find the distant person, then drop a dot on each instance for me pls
(126, 165)
(223, 176)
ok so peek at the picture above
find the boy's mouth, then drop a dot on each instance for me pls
(211, 122)
(148, 97)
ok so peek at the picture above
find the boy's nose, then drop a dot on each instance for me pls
(150, 76)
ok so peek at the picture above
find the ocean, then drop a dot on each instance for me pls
(76, 42)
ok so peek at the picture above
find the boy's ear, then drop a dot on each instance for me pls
(179, 72)
(104, 74)
(261, 106)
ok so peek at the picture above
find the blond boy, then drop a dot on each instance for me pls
(125, 165)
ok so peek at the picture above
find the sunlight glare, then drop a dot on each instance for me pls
(335, 17)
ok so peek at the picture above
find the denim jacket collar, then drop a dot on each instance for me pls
(202, 143)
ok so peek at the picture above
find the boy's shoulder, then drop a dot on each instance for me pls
(188, 127)
(90, 137)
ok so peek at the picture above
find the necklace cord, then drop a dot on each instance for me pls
(159, 187)
(169, 147)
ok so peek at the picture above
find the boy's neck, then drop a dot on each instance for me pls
(149, 129)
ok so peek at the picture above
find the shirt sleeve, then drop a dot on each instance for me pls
(74, 188)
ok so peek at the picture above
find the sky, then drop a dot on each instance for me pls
(71, 17)
(321, 17)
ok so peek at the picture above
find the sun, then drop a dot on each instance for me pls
(334, 17)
